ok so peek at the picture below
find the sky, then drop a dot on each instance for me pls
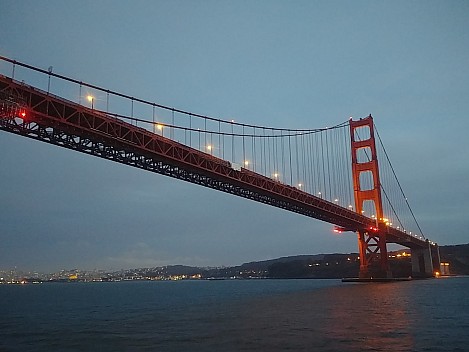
(293, 64)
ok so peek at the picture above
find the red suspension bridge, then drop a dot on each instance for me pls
(331, 174)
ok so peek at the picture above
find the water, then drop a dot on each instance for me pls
(255, 315)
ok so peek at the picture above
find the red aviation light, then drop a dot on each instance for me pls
(337, 229)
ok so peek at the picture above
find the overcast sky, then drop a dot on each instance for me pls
(295, 64)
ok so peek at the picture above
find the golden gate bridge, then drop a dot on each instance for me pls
(331, 174)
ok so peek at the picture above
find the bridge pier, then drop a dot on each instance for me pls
(422, 261)
(373, 255)
(436, 258)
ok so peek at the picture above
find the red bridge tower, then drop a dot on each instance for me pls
(371, 241)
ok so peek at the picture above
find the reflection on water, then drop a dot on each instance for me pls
(370, 317)
(356, 317)
(399, 316)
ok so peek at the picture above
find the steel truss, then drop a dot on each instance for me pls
(33, 113)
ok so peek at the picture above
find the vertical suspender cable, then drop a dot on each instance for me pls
(172, 124)
(323, 169)
(328, 164)
(269, 168)
(232, 144)
(282, 140)
(244, 151)
(190, 130)
(254, 158)
(289, 149)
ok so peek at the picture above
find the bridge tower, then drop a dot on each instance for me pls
(371, 241)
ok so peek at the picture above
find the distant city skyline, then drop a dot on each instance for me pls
(297, 65)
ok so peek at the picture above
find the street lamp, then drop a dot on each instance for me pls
(91, 100)
(159, 127)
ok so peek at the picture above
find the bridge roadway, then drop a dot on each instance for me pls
(64, 123)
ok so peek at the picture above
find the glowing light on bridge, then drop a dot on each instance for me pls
(91, 100)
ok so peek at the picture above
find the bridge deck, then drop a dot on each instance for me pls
(67, 124)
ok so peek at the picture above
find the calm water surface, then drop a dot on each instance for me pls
(255, 315)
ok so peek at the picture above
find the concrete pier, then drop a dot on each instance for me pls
(422, 262)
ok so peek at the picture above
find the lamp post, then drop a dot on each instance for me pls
(91, 100)
(159, 127)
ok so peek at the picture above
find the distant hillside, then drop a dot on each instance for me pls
(458, 258)
(266, 263)
(319, 266)
(255, 269)
(337, 265)
(323, 267)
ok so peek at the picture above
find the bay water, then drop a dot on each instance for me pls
(236, 315)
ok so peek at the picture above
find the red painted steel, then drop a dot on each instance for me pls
(54, 120)
(371, 241)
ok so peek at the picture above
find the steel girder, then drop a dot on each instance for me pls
(54, 120)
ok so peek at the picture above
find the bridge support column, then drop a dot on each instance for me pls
(422, 263)
(372, 241)
(436, 259)
(373, 255)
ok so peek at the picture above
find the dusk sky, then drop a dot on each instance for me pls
(293, 64)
